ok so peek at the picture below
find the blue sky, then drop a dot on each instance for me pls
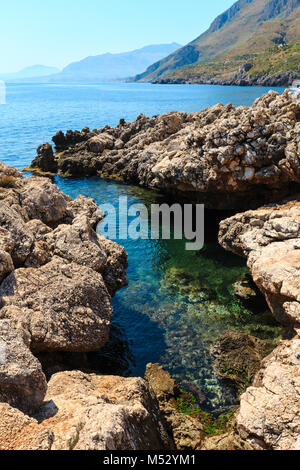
(57, 32)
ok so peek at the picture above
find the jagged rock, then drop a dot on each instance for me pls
(238, 357)
(68, 305)
(90, 412)
(78, 243)
(45, 160)
(21, 240)
(270, 238)
(43, 200)
(6, 264)
(225, 157)
(22, 381)
(19, 432)
(114, 271)
(83, 207)
(269, 416)
(187, 431)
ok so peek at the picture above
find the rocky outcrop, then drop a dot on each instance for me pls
(53, 297)
(225, 157)
(240, 78)
(269, 238)
(187, 431)
(90, 412)
(19, 432)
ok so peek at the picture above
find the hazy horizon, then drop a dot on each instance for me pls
(56, 35)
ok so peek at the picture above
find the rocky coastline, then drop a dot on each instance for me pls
(58, 277)
(225, 157)
(240, 78)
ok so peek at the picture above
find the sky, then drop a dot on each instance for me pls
(57, 32)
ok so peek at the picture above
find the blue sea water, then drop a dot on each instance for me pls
(177, 302)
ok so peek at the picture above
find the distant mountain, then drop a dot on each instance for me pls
(115, 66)
(264, 35)
(30, 72)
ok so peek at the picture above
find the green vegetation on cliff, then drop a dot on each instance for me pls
(262, 33)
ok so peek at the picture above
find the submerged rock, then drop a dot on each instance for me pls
(225, 157)
(238, 357)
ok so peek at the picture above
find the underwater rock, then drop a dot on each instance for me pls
(247, 291)
(238, 357)
(223, 156)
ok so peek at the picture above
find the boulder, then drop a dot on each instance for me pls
(78, 243)
(22, 382)
(43, 200)
(45, 160)
(67, 305)
(90, 412)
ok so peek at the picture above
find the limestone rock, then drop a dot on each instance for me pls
(114, 271)
(68, 305)
(19, 432)
(223, 156)
(78, 243)
(45, 160)
(270, 238)
(90, 412)
(269, 416)
(43, 200)
(22, 382)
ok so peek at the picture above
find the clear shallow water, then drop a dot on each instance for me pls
(177, 302)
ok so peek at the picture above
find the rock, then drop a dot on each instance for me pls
(68, 305)
(6, 264)
(21, 240)
(90, 412)
(269, 416)
(19, 432)
(43, 200)
(187, 431)
(238, 358)
(270, 238)
(78, 243)
(22, 382)
(114, 271)
(45, 160)
(225, 157)
(161, 382)
(247, 291)
(83, 207)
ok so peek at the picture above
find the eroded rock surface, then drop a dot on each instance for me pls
(90, 412)
(269, 238)
(223, 156)
(19, 432)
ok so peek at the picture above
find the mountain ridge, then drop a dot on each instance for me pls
(231, 38)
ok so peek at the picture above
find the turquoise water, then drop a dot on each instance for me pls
(177, 302)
